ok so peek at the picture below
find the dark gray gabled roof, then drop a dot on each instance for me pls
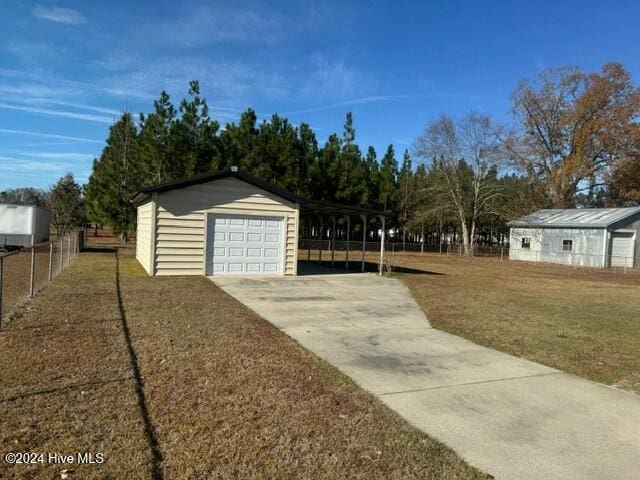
(209, 177)
(575, 217)
(306, 206)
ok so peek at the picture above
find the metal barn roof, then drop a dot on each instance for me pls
(575, 217)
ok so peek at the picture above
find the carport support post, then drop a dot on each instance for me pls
(364, 240)
(321, 240)
(333, 239)
(309, 241)
(346, 263)
(382, 245)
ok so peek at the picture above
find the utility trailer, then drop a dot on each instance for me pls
(22, 225)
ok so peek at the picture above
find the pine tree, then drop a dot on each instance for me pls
(371, 179)
(405, 194)
(388, 179)
(325, 171)
(117, 175)
(351, 178)
(155, 140)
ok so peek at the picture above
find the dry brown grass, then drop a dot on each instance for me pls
(584, 321)
(228, 395)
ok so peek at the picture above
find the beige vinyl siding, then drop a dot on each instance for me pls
(181, 213)
(143, 236)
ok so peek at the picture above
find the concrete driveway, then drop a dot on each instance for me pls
(510, 417)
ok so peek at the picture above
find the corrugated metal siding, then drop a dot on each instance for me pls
(143, 235)
(546, 246)
(180, 231)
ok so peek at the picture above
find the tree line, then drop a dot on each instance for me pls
(574, 142)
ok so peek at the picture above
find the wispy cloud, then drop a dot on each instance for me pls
(11, 131)
(204, 24)
(70, 156)
(58, 113)
(24, 166)
(350, 102)
(59, 15)
(80, 106)
(331, 78)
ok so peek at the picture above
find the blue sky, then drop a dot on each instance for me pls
(68, 68)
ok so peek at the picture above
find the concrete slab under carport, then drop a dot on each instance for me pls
(509, 416)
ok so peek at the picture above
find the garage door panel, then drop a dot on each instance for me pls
(622, 249)
(218, 267)
(235, 267)
(245, 244)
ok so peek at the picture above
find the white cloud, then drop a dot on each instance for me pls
(59, 113)
(59, 15)
(71, 156)
(11, 131)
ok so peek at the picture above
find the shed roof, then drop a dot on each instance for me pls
(306, 206)
(575, 217)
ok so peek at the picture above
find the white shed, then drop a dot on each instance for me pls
(594, 237)
(23, 225)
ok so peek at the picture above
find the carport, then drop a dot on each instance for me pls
(330, 227)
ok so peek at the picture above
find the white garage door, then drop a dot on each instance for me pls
(244, 245)
(622, 244)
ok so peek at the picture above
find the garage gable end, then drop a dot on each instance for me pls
(183, 242)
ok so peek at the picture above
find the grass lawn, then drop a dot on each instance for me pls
(172, 378)
(583, 321)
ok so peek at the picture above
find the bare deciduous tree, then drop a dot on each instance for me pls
(465, 154)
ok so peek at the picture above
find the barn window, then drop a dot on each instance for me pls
(526, 242)
(567, 245)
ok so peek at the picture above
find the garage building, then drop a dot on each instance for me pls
(228, 223)
(593, 237)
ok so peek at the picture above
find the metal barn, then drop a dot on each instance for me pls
(590, 237)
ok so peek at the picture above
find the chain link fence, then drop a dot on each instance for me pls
(25, 272)
(313, 249)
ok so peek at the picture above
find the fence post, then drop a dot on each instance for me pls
(1, 286)
(50, 261)
(61, 254)
(501, 253)
(32, 272)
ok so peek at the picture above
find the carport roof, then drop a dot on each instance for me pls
(575, 217)
(306, 206)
